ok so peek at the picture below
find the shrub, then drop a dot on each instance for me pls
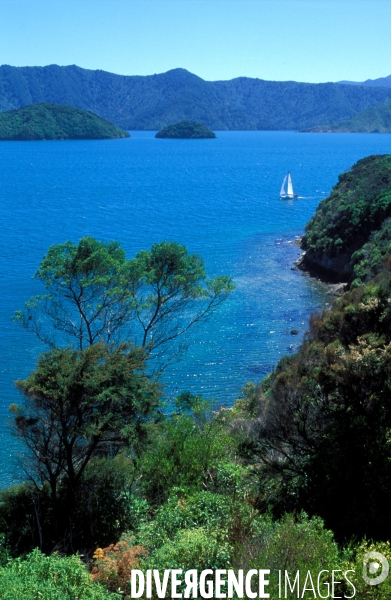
(292, 544)
(113, 564)
(49, 578)
(355, 562)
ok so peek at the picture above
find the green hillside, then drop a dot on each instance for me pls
(375, 119)
(349, 234)
(296, 476)
(185, 130)
(55, 122)
(154, 101)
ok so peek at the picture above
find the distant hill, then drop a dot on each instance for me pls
(185, 130)
(380, 82)
(154, 101)
(375, 119)
(55, 122)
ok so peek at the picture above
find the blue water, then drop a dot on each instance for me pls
(218, 197)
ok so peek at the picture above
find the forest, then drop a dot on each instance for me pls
(151, 102)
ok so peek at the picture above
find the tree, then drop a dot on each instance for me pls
(80, 405)
(170, 293)
(87, 300)
(95, 294)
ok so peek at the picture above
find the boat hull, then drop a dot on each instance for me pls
(288, 196)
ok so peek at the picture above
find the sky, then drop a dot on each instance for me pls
(300, 40)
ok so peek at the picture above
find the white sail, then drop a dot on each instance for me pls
(282, 192)
(289, 190)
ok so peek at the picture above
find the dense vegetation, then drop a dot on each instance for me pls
(152, 102)
(346, 228)
(292, 477)
(375, 119)
(56, 122)
(185, 130)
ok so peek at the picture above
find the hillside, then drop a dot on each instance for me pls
(55, 122)
(302, 461)
(374, 119)
(185, 130)
(154, 101)
(348, 237)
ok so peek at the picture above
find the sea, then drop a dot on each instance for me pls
(219, 197)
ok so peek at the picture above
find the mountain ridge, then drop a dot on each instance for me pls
(379, 82)
(151, 102)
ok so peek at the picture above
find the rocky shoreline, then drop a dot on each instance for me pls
(334, 284)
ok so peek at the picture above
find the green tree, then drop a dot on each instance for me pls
(87, 299)
(95, 294)
(81, 405)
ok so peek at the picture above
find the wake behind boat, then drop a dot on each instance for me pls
(287, 188)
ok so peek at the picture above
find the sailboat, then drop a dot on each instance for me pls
(287, 192)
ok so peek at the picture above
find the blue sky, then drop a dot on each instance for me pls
(301, 40)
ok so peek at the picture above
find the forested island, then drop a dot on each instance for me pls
(301, 462)
(375, 119)
(47, 121)
(185, 130)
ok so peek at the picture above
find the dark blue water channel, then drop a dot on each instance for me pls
(218, 197)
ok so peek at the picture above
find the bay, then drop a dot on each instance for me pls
(218, 197)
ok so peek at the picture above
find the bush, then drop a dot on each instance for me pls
(187, 451)
(113, 565)
(355, 562)
(49, 578)
(195, 548)
(292, 544)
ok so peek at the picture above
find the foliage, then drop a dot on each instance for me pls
(104, 507)
(46, 121)
(87, 299)
(49, 578)
(374, 119)
(354, 561)
(113, 565)
(291, 544)
(369, 260)
(189, 450)
(171, 293)
(357, 206)
(79, 406)
(94, 295)
(185, 130)
(23, 513)
(322, 432)
(154, 101)
(195, 548)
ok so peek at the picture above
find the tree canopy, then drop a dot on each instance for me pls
(185, 130)
(47, 121)
(79, 405)
(94, 294)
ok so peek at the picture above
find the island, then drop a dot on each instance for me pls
(185, 130)
(374, 119)
(47, 121)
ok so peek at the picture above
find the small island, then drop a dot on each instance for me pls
(47, 121)
(185, 130)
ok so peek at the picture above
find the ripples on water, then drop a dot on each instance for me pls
(218, 197)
